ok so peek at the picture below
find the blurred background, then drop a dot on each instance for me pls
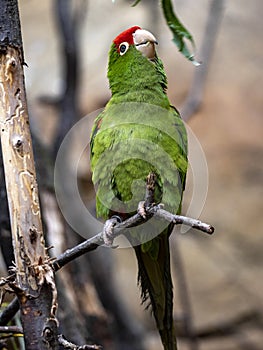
(223, 305)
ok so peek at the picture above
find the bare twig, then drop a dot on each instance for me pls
(68, 345)
(97, 240)
(179, 219)
(11, 329)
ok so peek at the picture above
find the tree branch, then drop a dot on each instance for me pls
(34, 283)
(185, 220)
(97, 240)
(68, 345)
(9, 312)
(11, 330)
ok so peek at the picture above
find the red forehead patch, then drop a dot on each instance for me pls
(126, 36)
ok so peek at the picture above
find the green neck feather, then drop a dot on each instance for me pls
(134, 78)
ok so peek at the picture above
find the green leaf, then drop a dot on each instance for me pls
(180, 33)
(136, 3)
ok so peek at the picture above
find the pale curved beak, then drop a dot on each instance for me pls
(144, 42)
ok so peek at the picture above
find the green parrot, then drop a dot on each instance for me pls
(137, 134)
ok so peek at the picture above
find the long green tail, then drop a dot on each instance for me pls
(154, 277)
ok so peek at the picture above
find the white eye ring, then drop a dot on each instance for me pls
(123, 47)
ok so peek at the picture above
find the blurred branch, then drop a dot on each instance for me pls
(9, 312)
(229, 327)
(183, 296)
(68, 29)
(97, 240)
(11, 329)
(195, 95)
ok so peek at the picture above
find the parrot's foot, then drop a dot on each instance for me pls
(141, 210)
(107, 232)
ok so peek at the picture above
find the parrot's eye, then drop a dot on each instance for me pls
(123, 48)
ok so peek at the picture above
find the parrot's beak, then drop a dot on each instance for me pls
(145, 41)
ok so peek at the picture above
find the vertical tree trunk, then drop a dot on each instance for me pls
(34, 282)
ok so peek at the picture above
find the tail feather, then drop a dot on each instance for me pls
(154, 277)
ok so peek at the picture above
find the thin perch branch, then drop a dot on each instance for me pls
(11, 329)
(97, 240)
(185, 220)
(68, 345)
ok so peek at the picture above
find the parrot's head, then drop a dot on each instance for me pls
(132, 54)
(137, 37)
